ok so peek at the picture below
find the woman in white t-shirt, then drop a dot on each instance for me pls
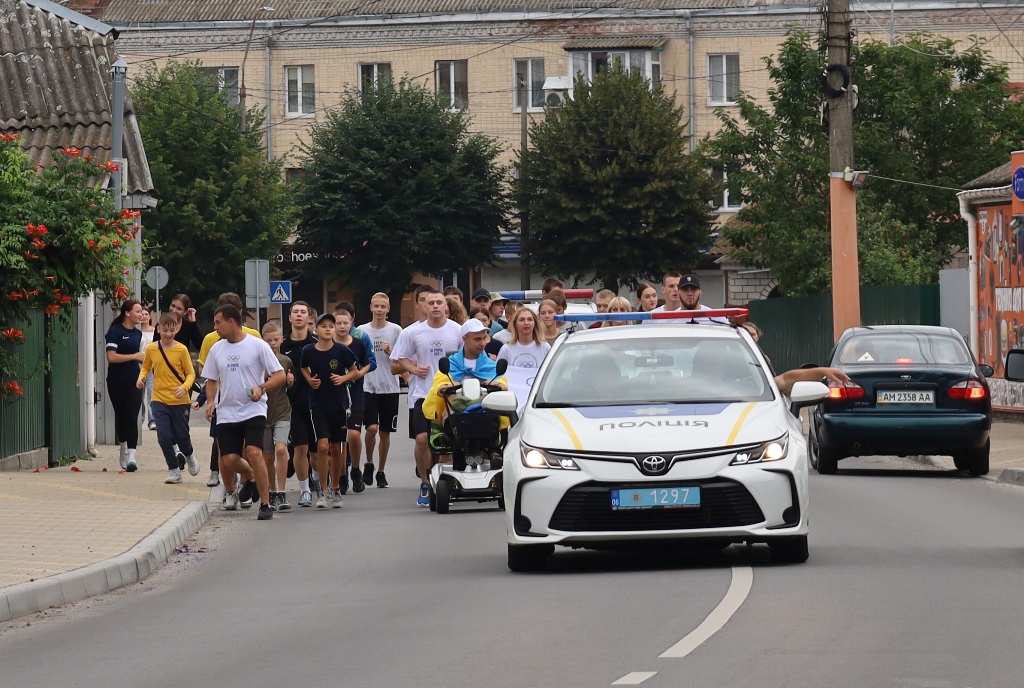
(527, 347)
(147, 338)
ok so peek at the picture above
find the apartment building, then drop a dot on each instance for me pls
(299, 58)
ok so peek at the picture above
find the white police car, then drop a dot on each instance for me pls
(673, 432)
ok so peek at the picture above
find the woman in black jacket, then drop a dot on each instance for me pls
(189, 334)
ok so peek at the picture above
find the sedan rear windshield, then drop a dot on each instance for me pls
(904, 348)
(653, 370)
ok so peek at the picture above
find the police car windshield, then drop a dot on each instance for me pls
(652, 370)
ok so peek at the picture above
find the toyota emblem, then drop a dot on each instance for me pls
(654, 464)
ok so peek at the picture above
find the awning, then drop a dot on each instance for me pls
(616, 43)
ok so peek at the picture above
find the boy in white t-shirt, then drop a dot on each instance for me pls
(381, 388)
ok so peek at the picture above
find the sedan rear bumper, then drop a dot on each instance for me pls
(889, 433)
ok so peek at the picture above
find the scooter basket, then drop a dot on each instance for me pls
(474, 426)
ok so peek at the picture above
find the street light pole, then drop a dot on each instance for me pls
(524, 255)
(241, 71)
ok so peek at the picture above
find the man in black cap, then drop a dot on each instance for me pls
(682, 292)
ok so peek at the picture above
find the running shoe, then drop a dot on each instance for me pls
(230, 502)
(368, 473)
(306, 498)
(214, 479)
(273, 501)
(321, 500)
(248, 494)
(424, 498)
(181, 461)
(266, 513)
(173, 477)
(357, 481)
(314, 484)
(381, 480)
(282, 502)
(152, 426)
(123, 458)
(336, 502)
(132, 466)
(344, 483)
(193, 464)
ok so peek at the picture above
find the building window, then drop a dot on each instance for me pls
(301, 90)
(452, 79)
(724, 201)
(644, 62)
(723, 79)
(293, 175)
(371, 73)
(530, 72)
(227, 81)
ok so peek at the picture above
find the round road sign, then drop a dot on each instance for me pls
(157, 277)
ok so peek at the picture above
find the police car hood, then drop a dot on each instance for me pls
(658, 427)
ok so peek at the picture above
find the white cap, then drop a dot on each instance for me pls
(472, 326)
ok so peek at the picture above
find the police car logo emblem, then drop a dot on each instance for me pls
(653, 464)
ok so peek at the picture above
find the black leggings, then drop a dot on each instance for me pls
(126, 399)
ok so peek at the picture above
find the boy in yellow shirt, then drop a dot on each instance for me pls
(173, 376)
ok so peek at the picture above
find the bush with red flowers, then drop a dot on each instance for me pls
(59, 239)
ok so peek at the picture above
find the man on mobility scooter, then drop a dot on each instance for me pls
(461, 428)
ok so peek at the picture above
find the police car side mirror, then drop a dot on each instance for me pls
(807, 393)
(444, 366)
(501, 366)
(501, 403)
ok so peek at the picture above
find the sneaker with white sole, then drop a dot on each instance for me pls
(132, 466)
(321, 500)
(248, 494)
(173, 477)
(123, 456)
(193, 464)
(214, 479)
(336, 502)
(180, 456)
(266, 513)
(382, 480)
(282, 502)
(424, 497)
(230, 502)
(368, 473)
(306, 498)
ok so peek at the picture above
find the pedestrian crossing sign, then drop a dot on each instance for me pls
(281, 292)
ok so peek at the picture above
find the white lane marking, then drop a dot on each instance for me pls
(634, 678)
(742, 579)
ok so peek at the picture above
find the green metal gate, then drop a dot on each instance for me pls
(21, 426)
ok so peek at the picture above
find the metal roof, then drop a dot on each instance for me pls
(1000, 176)
(124, 12)
(55, 85)
(615, 42)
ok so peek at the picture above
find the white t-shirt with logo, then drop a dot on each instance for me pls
(426, 345)
(521, 355)
(382, 380)
(238, 368)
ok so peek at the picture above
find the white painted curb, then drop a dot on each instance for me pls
(1014, 476)
(104, 576)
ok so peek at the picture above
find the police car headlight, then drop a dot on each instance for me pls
(769, 451)
(537, 458)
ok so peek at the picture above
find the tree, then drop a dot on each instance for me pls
(929, 114)
(607, 186)
(396, 184)
(220, 201)
(59, 239)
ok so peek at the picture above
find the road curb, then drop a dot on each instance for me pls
(928, 460)
(104, 576)
(1014, 476)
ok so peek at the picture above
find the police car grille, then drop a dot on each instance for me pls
(588, 507)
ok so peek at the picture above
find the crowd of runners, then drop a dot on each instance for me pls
(318, 398)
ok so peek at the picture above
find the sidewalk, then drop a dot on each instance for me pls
(1006, 461)
(64, 519)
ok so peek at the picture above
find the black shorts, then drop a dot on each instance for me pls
(418, 423)
(232, 438)
(382, 410)
(302, 427)
(355, 419)
(329, 425)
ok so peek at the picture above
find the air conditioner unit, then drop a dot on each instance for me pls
(557, 91)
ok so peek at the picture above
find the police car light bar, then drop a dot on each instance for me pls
(661, 315)
(537, 294)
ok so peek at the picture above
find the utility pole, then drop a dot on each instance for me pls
(242, 124)
(524, 256)
(842, 195)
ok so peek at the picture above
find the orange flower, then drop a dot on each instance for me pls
(13, 388)
(52, 309)
(38, 243)
(13, 334)
(15, 295)
(115, 243)
(121, 292)
(31, 256)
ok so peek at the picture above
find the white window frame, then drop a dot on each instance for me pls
(726, 206)
(303, 71)
(651, 59)
(451, 66)
(222, 81)
(376, 73)
(724, 59)
(529, 83)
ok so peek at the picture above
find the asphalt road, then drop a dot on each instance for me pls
(913, 580)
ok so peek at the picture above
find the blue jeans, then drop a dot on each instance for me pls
(172, 429)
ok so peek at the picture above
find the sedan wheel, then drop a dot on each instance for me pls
(974, 462)
(790, 550)
(823, 460)
(528, 558)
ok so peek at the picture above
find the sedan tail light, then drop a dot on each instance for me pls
(838, 391)
(967, 389)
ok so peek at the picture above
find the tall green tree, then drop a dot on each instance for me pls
(396, 184)
(220, 201)
(931, 112)
(607, 186)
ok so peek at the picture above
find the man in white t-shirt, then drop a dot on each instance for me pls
(682, 293)
(237, 382)
(417, 352)
(380, 387)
